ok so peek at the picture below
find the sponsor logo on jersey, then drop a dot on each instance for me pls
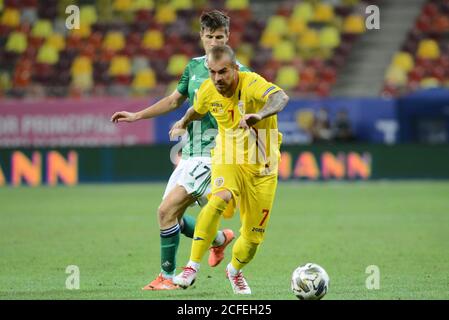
(258, 230)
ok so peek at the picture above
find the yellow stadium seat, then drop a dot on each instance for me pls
(88, 14)
(284, 51)
(403, 60)
(354, 24)
(176, 64)
(303, 11)
(47, 54)
(165, 14)
(305, 119)
(428, 49)
(83, 32)
(181, 4)
(56, 40)
(287, 77)
(277, 24)
(120, 66)
(11, 17)
(309, 40)
(153, 39)
(5, 81)
(237, 4)
(429, 82)
(329, 37)
(81, 65)
(83, 81)
(296, 25)
(243, 58)
(270, 39)
(396, 75)
(17, 42)
(142, 5)
(42, 29)
(145, 79)
(122, 5)
(114, 41)
(1, 5)
(323, 13)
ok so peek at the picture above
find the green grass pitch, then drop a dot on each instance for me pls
(110, 232)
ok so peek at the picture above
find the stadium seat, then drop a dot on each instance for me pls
(428, 49)
(270, 39)
(323, 13)
(354, 24)
(165, 14)
(143, 5)
(236, 4)
(329, 37)
(303, 11)
(81, 65)
(114, 41)
(122, 5)
(144, 80)
(404, 61)
(120, 66)
(10, 17)
(88, 15)
(396, 75)
(176, 64)
(56, 41)
(181, 4)
(153, 39)
(84, 31)
(284, 51)
(17, 42)
(309, 40)
(296, 25)
(287, 77)
(429, 82)
(83, 81)
(47, 54)
(277, 24)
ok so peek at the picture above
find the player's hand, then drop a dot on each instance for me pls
(178, 129)
(124, 116)
(249, 120)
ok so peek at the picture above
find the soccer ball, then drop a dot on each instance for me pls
(310, 282)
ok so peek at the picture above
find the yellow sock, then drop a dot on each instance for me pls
(206, 227)
(243, 252)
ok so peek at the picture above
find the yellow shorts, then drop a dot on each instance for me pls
(253, 193)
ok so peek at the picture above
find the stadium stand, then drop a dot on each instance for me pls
(142, 46)
(423, 59)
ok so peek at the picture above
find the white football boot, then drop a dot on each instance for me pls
(238, 282)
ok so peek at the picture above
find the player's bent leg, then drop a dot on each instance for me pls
(205, 230)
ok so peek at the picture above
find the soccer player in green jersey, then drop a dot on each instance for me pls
(190, 181)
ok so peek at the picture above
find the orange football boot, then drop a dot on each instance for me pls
(216, 254)
(161, 283)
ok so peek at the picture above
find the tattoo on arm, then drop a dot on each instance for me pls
(275, 103)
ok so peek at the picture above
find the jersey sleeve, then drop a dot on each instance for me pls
(260, 89)
(199, 102)
(183, 83)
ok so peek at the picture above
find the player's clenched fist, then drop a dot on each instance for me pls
(124, 116)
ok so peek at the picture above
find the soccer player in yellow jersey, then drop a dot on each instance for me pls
(244, 161)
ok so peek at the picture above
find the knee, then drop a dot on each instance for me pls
(165, 214)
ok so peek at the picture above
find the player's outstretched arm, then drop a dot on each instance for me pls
(163, 106)
(275, 104)
(179, 127)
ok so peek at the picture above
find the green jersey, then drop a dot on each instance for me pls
(200, 133)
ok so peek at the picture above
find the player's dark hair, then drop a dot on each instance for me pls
(214, 20)
(217, 52)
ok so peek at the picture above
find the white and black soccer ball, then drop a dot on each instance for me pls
(310, 282)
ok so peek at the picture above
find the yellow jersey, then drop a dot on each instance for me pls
(256, 148)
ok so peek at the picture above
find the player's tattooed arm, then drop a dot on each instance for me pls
(275, 104)
(180, 125)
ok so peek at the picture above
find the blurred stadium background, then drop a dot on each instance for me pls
(366, 105)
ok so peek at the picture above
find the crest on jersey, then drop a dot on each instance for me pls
(219, 181)
(241, 106)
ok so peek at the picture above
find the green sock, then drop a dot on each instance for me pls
(188, 227)
(169, 247)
